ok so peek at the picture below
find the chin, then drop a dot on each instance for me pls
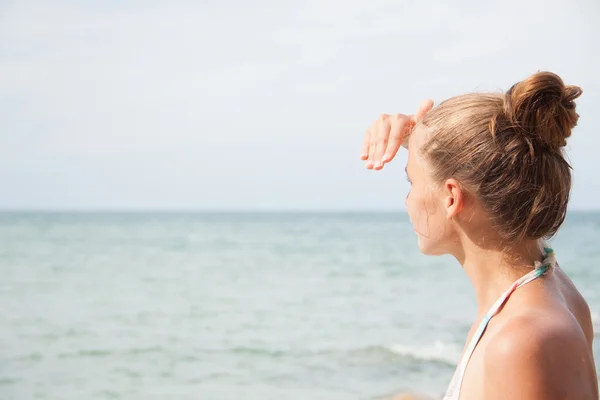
(427, 251)
(423, 246)
(429, 247)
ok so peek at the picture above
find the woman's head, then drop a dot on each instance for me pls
(499, 156)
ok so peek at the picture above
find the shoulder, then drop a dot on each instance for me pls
(578, 305)
(534, 356)
(531, 333)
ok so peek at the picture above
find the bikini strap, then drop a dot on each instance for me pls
(542, 267)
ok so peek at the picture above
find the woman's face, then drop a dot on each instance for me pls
(426, 200)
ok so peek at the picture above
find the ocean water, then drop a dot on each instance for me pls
(238, 305)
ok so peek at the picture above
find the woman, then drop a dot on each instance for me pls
(489, 182)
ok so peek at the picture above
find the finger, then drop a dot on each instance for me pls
(424, 107)
(370, 144)
(398, 130)
(383, 134)
(373, 144)
(364, 151)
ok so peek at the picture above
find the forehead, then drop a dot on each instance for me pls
(418, 136)
(416, 140)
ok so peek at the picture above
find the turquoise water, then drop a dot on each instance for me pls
(238, 305)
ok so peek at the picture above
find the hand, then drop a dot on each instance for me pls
(385, 136)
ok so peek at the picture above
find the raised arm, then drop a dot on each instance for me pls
(386, 135)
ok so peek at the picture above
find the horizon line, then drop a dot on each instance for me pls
(224, 210)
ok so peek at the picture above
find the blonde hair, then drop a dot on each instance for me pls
(507, 150)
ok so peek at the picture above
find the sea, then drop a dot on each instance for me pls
(239, 305)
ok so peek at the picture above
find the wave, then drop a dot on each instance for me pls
(111, 352)
(260, 352)
(596, 323)
(438, 351)
(403, 396)
(29, 357)
(87, 353)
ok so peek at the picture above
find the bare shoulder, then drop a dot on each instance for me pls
(535, 331)
(539, 355)
(577, 304)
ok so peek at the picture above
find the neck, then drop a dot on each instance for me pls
(493, 270)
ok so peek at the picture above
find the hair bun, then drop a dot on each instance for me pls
(543, 108)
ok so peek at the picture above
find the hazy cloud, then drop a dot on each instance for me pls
(262, 105)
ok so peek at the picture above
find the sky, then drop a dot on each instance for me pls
(236, 105)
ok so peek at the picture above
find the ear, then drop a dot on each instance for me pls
(454, 199)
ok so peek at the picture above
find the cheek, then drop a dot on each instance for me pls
(416, 205)
(426, 217)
